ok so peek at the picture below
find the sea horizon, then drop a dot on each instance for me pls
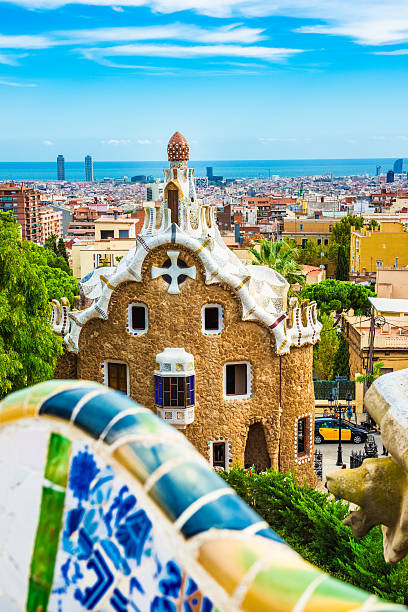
(74, 170)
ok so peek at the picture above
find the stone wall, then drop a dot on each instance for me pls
(175, 321)
(67, 366)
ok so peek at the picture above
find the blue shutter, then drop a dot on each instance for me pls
(192, 390)
(159, 390)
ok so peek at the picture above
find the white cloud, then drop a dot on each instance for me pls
(143, 142)
(116, 142)
(48, 143)
(118, 9)
(270, 54)
(233, 33)
(11, 59)
(273, 139)
(8, 83)
(25, 42)
(367, 22)
(397, 52)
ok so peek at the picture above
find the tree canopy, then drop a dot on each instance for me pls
(29, 349)
(334, 295)
(281, 256)
(53, 269)
(341, 231)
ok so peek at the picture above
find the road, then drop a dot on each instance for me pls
(329, 451)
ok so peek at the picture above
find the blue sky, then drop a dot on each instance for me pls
(251, 79)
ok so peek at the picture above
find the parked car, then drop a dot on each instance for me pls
(327, 429)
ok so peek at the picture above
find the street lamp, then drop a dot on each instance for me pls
(335, 406)
(330, 401)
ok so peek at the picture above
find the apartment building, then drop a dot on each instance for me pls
(50, 221)
(386, 245)
(268, 207)
(390, 345)
(303, 229)
(113, 238)
(24, 203)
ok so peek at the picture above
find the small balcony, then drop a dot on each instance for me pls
(179, 417)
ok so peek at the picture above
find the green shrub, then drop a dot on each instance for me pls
(311, 522)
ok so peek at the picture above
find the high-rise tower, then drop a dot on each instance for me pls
(61, 168)
(390, 176)
(398, 165)
(88, 169)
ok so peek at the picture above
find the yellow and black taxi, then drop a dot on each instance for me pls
(327, 430)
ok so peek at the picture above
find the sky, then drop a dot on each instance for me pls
(241, 79)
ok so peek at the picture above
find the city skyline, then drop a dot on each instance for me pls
(241, 80)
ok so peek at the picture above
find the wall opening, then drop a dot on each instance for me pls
(172, 204)
(236, 380)
(118, 376)
(256, 451)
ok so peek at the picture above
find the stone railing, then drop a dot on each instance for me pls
(106, 507)
(385, 341)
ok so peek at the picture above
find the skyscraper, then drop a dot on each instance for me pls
(390, 176)
(398, 165)
(209, 173)
(61, 168)
(88, 169)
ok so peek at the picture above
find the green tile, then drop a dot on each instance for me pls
(45, 549)
(49, 524)
(59, 450)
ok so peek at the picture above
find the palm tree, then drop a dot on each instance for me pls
(280, 256)
(370, 377)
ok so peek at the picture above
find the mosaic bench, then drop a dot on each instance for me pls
(106, 507)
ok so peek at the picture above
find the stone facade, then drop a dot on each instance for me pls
(259, 409)
(282, 388)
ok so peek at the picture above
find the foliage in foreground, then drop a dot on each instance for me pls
(311, 523)
(28, 347)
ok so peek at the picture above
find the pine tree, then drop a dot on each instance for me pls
(61, 249)
(342, 267)
(341, 365)
(51, 243)
(325, 350)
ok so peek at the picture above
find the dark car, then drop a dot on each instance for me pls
(327, 429)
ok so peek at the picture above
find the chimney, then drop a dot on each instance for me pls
(115, 214)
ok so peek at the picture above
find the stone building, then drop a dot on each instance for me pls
(203, 340)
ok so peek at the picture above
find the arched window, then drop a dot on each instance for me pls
(212, 319)
(137, 319)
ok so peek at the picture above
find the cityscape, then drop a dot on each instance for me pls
(203, 306)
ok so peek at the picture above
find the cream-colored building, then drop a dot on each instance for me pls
(114, 227)
(390, 340)
(392, 283)
(49, 223)
(113, 239)
(86, 256)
